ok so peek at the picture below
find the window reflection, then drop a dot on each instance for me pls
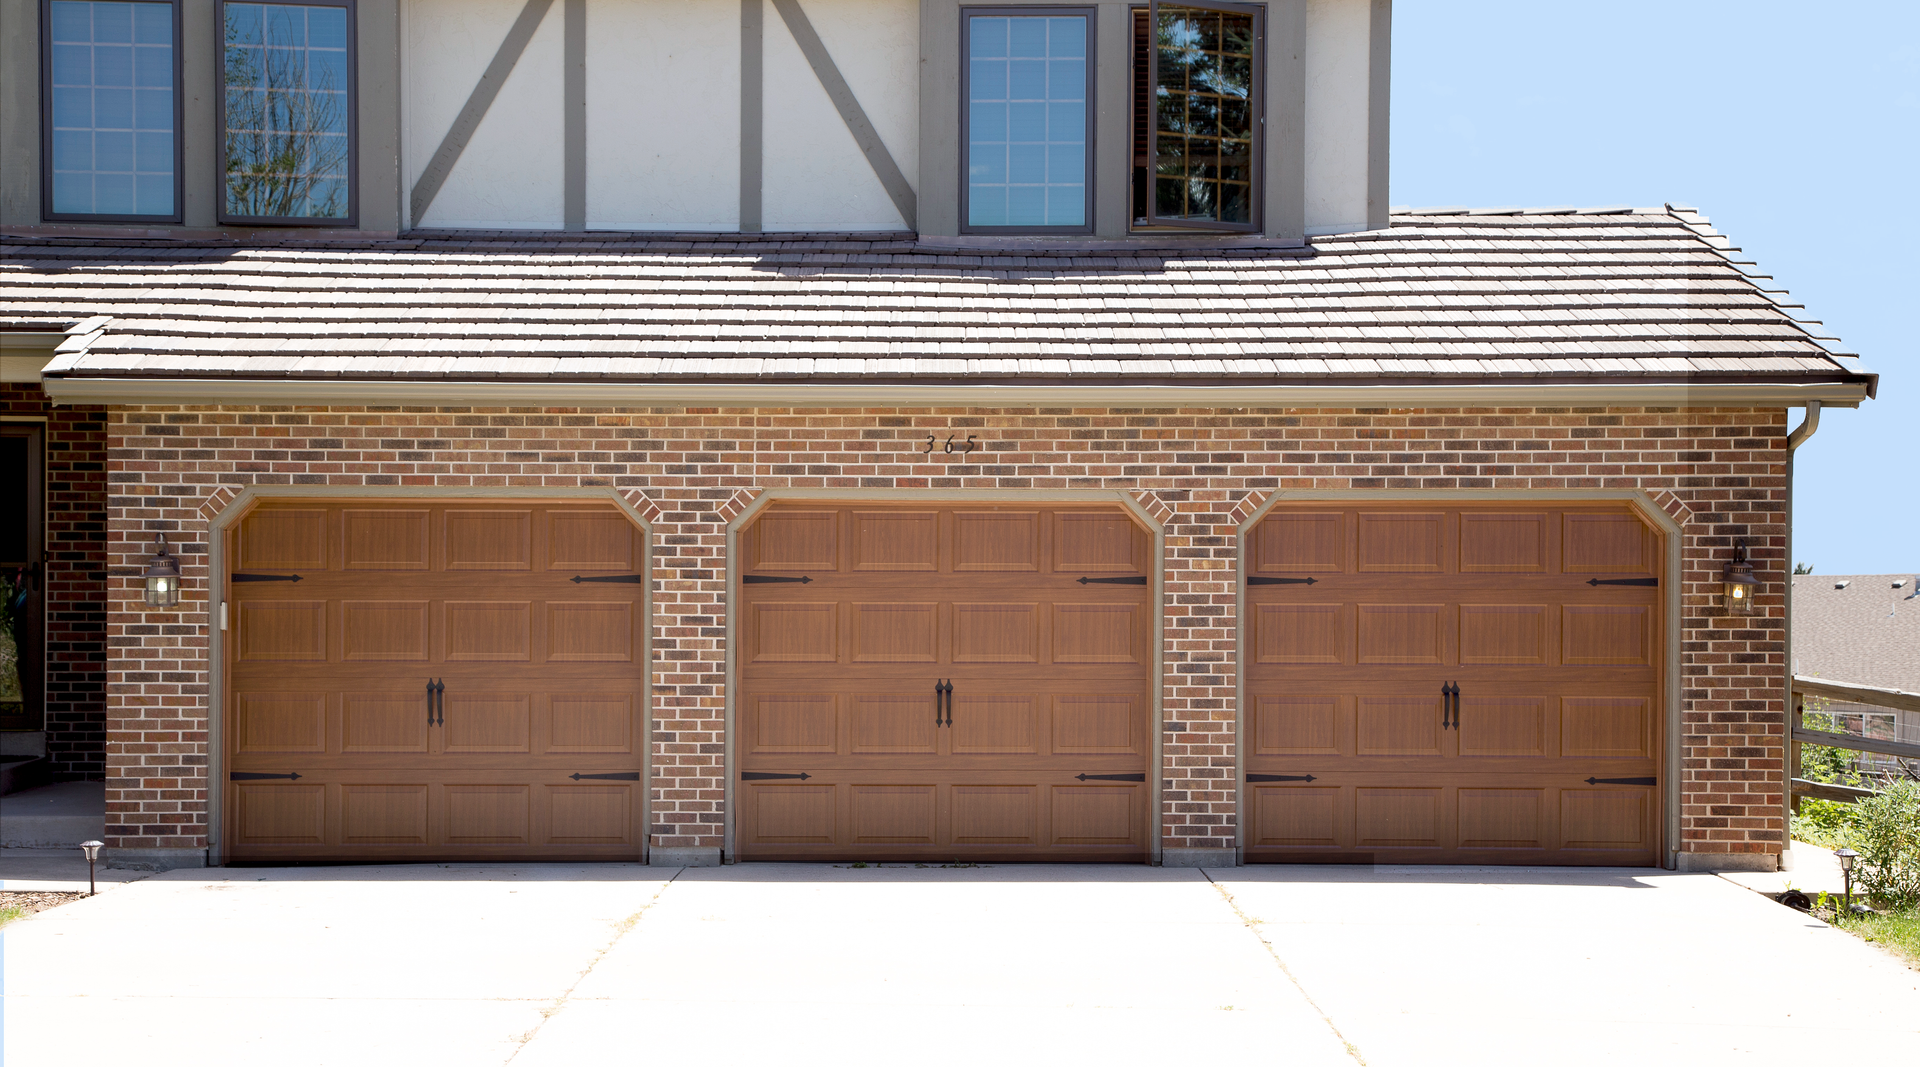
(1204, 116)
(287, 105)
(1026, 120)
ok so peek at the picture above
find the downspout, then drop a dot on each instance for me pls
(1799, 436)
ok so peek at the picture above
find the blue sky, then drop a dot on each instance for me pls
(1794, 127)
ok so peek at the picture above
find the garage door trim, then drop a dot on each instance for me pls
(1156, 579)
(1670, 600)
(246, 500)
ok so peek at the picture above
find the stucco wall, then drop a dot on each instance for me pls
(1718, 473)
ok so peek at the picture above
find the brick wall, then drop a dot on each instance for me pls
(76, 471)
(1720, 473)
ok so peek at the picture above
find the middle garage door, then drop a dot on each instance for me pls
(942, 683)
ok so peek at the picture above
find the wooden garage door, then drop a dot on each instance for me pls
(939, 683)
(415, 680)
(1453, 684)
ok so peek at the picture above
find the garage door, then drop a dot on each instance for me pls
(938, 683)
(425, 681)
(1453, 684)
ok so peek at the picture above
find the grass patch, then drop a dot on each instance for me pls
(16, 905)
(7, 915)
(1897, 931)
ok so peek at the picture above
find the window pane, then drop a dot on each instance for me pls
(287, 104)
(1204, 116)
(112, 75)
(1026, 120)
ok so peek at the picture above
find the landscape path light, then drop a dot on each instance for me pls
(1847, 856)
(92, 849)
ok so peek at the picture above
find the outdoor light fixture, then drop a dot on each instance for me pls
(1737, 578)
(92, 849)
(163, 577)
(1847, 856)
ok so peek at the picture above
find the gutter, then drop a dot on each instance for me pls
(805, 393)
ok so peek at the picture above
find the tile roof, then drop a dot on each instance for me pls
(1441, 296)
(1858, 628)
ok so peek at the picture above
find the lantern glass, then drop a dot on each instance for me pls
(163, 577)
(1846, 856)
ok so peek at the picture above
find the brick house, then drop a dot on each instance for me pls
(873, 431)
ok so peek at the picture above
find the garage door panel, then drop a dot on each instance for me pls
(784, 540)
(893, 724)
(282, 723)
(1505, 634)
(996, 541)
(792, 723)
(266, 814)
(789, 814)
(1096, 633)
(996, 814)
(896, 540)
(1302, 543)
(488, 814)
(387, 539)
(376, 765)
(489, 540)
(290, 539)
(1300, 633)
(1544, 747)
(1504, 543)
(896, 633)
(383, 813)
(1503, 726)
(1097, 542)
(489, 631)
(1293, 725)
(384, 722)
(996, 633)
(1095, 815)
(995, 724)
(1402, 633)
(285, 631)
(793, 632)
(1098, 724)
(893, 814)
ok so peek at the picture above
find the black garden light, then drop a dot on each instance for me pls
(92, 849)
(163, 577)
(1847, 857)
(1736, 577)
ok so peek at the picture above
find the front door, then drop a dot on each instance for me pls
(416, 680)
(942, 682)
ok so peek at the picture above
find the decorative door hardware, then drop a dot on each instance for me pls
(762, 579)
(1623, 781)
(255, 776)
(761, 776)
(436, 691)
(1139, 579)
(970, 446)
(1449, 706)
(1140, 777)
(631, 579)
(943, 697)
(623, 776)
(263, 577)
(1623, 581)
(1260, 579)
(1280, 778)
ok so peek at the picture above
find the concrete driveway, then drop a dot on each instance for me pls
(549, 965)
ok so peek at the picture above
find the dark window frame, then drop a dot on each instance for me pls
(352, 218)
(1091, 14)
(47, 213)
(1257, 103)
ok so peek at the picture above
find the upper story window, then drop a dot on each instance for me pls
(1027, 124)
(288, 113)
(110, 140)
(1198, 105)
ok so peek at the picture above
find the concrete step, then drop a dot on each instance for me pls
(54, 816)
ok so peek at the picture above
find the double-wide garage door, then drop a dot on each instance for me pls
(939, 683)
(419, 681)
(1453, 684)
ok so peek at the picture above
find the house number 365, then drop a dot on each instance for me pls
(965, 446)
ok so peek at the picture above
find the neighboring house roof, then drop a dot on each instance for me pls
(1648, 295)
(1858, 628)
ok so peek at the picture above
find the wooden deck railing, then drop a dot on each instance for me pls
(1850, 693)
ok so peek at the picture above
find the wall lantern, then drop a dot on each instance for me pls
(163, 577)
(1736, 577)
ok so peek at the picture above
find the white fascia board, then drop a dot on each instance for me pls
(135, 391)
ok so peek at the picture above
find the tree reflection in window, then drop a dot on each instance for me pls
(287, 106)
(1206, 116)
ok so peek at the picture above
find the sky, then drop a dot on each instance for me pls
(1794, 127)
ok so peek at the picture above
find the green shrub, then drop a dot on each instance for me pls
(1885, 830)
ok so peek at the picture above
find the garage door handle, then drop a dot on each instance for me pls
(943, 697)
(1449, 706)
(436, 699)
